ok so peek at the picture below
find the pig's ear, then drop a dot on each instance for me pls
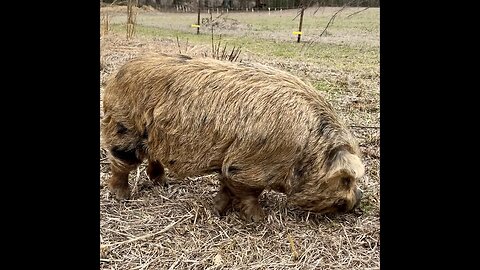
(344, 162)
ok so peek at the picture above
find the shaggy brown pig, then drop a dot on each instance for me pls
(258, 127)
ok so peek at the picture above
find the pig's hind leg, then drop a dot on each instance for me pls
(244, 193)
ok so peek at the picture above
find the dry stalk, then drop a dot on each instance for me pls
(178, 44)
(216, 53)
(105, 24)
(131, 19)
(292, 247)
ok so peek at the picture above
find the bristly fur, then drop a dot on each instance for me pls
(259, 127)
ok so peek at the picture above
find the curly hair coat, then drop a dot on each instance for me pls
(258, 127)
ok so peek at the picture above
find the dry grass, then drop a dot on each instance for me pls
(173, 227)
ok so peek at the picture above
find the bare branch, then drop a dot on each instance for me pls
(326, 27)
(356, 12)
(298, 14)
(301, 6)
(332, 19)
(354, 126)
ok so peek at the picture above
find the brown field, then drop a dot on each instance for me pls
(174, 227)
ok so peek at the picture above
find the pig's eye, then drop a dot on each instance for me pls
(346, 181)
(341, 205)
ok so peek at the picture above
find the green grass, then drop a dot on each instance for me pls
(351, 43)
(367, 206)
(325, 86)
(342, 56)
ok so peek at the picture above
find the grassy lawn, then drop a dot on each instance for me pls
(349, 43)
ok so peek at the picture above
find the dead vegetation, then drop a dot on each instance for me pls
(173, 227)
(131, 20)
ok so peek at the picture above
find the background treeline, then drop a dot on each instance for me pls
(243, 4)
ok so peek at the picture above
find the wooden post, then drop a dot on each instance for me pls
(198, 18)
(300, 26)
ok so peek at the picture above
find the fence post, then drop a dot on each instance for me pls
(198, 18)
(300, 26)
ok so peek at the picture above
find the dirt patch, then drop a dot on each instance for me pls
(224, 24)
